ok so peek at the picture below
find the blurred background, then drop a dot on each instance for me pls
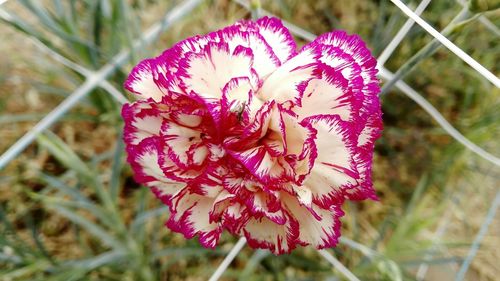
(70, 209)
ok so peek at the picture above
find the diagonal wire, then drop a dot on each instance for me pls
(387, 52)
(436, 115)
(367, 251)
(95, 79)
(442, 228)
(483, 19)
(488, 24)
(479, 237)
(80, 69)
(425, 51)
(338, 265)
(424, 267)
(228, 259)
(448, 44)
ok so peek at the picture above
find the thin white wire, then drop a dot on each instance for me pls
(367, 251)
(424, 267)
(228, 259)
(76, 67)
(436, 115)
(95, 79)
(484, 20)
(442, 228)
(117, 95)
(479, 237)
(491, 26)
(387, 52)
(338, 265)
(113, 91)
(448, 44)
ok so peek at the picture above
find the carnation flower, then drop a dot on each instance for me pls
(236, 130)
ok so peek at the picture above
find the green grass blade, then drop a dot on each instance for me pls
(64, 154)
(94, 209)
(116, 168)
(97, 231)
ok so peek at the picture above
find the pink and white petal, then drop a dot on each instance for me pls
(294, 140)
(241, 184)
(364, 159)
(301, 147)
(278, 37)
(345, 64)
(172, 169)
(221, 203)
(274, 144)
(329, 95)
(235, 218)
(190, 216)
(179, 146)
(363, 190)
(265, 234)
(321, 232)
(258, 199)
(216, 152)
(261, 164)
(141, 122)
(141, 81)
(334, 166)
(276, 136)
(186, 147)
(238, 89)
(198, 154)
(265, 61)
(189, 112)
(352, 45)
(238, 98)
(192, 44)
(266, 203)
(210, 183)
(187, 120)
(362, 80)
(206, 73)
(166, 190)
(286, 82)
(371, 131)
(260, 123)
(145, 162)
(165, 80)
(253, 132)
(275, 34)
(296, 136)
(302, 194)
(169, 60)
(350, 54)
